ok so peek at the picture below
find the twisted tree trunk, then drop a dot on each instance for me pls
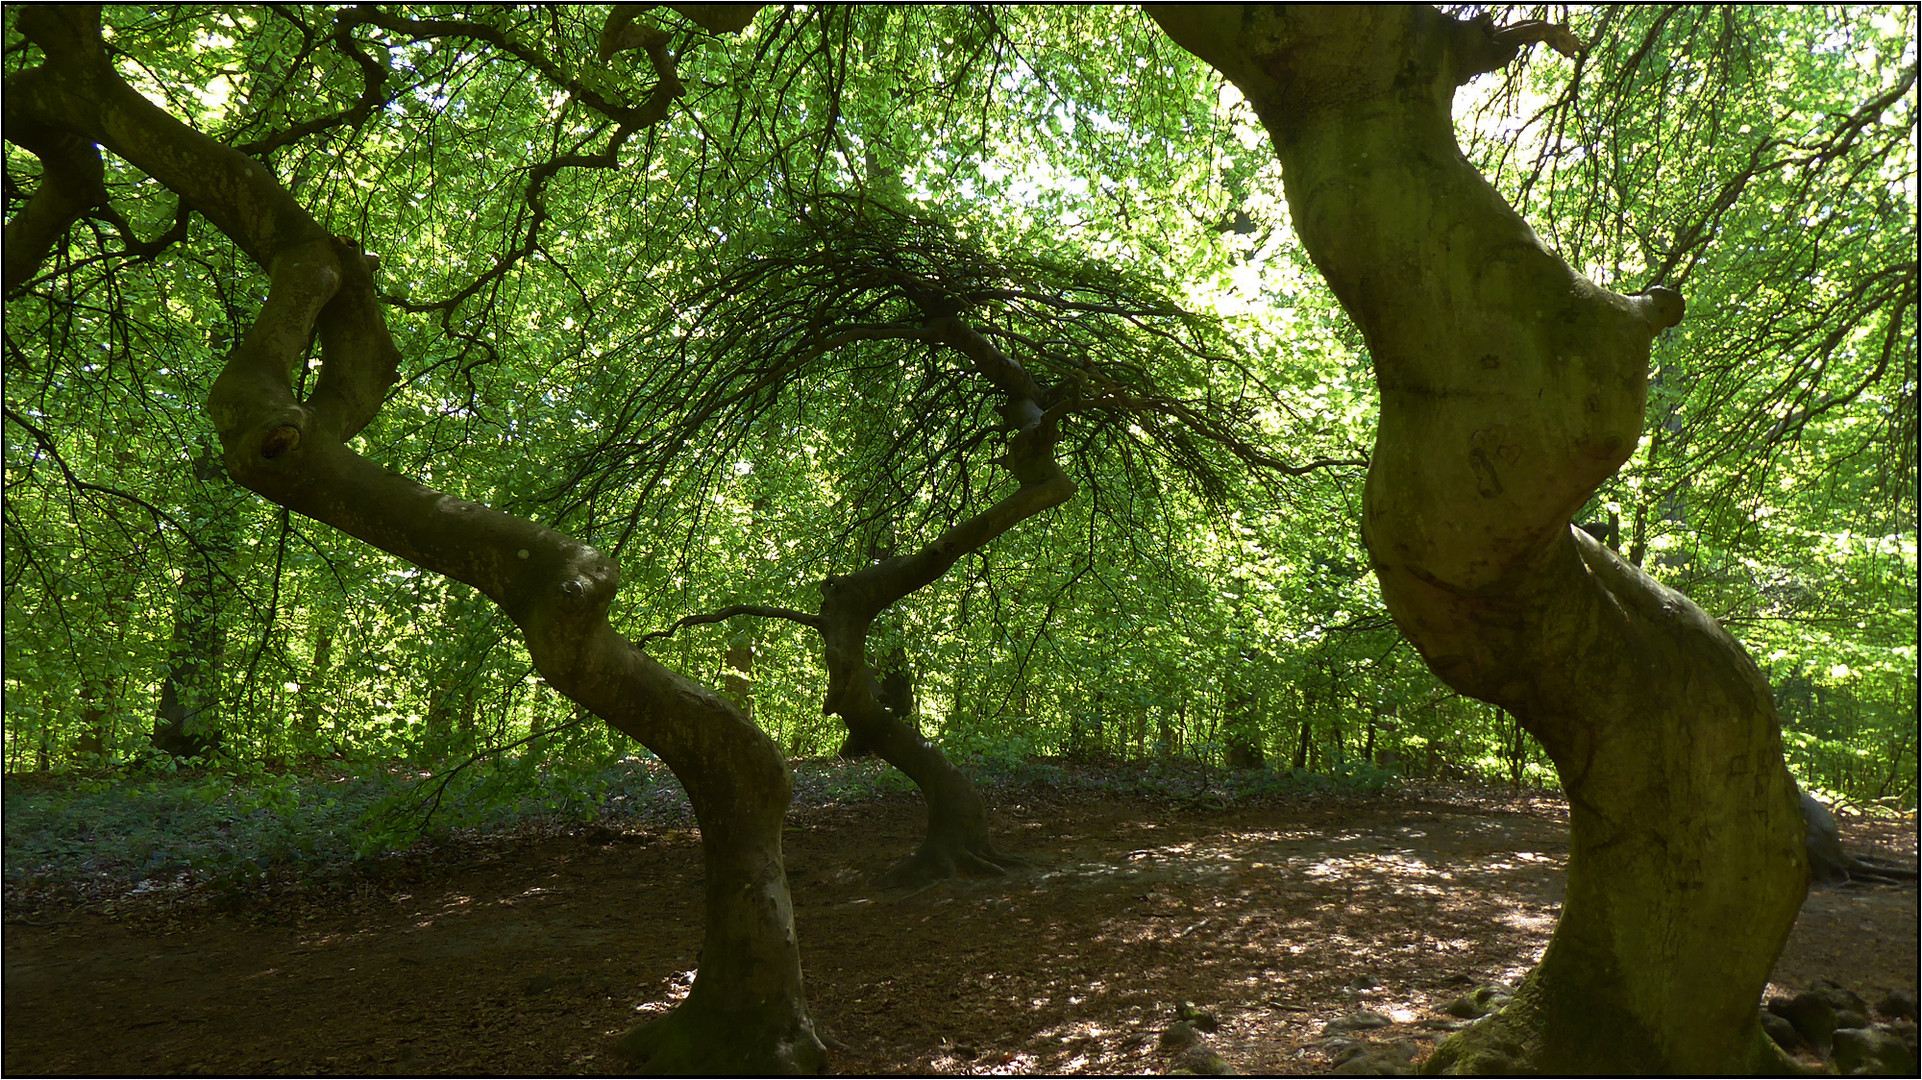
(957, 839)
(746, 1013)
(1511, 388)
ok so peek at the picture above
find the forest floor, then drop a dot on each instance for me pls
(527, 953)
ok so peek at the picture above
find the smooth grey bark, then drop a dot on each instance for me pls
(1511, 387)
(746, 1013)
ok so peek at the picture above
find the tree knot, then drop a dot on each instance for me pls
(1660, 306)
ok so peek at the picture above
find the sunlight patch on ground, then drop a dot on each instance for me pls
(1530, 921)
(1263, 903)
(338, 938)
(678, 986)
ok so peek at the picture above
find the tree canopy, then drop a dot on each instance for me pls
(1006, 375)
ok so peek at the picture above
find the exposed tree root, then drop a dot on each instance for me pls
(939, 858)
(1877, 868)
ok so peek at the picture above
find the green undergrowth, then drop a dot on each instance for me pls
(97, 836)
(93, 837)
(1013, 761)
(81, 838)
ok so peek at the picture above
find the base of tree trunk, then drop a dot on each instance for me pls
(180, 744)
(958, 841)
(942, 856)
(708, 1036)
(1526, 1039)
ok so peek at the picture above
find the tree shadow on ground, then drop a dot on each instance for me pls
(528, 954)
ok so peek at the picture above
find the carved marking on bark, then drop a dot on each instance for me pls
(1487, 443)
(279, 441)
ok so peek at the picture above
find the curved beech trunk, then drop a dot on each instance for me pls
(746, 1013)
(1511, 388)
(957, 840)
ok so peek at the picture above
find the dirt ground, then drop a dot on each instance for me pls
(526, 956)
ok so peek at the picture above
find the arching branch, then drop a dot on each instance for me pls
(762, 611)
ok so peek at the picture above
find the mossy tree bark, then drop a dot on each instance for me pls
(1511, 387)
(185, 718)
(746, 1013)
